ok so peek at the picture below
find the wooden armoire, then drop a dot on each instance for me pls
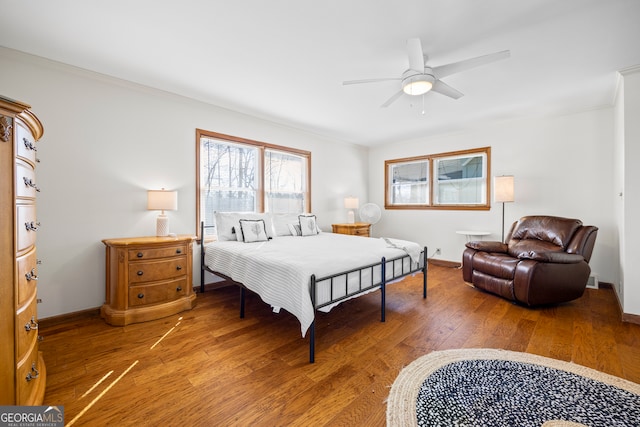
(22, 370)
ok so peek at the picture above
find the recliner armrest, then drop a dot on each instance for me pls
(481, 245)
(553, 257)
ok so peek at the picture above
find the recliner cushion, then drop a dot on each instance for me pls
(520, 248)
(495, 264)
(550, 229)
(495, 285)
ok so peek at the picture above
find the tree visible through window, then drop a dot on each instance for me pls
(285, 182)
(228, 174)
(456, 180)
(240, 175)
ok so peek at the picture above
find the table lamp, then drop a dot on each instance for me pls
(162, 200)
(351, 203)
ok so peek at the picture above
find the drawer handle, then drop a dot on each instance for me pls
(31, 275)
(178, 251)
(179, 288)
(140, 255)
(178, 268)
(29, 183)
(33, 374)
(31, 325)
(29, 144)
(140, 296)
(32, 226)
(140, 273)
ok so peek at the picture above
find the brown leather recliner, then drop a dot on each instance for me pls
(545, 261)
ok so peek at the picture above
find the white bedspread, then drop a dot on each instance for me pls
(279, 270)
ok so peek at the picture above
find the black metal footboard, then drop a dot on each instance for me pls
(361, 288)
(357, 281)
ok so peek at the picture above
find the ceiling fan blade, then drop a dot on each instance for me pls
(444, 89)
(416, 56)
(456, 67)
(392, 99)
(354, 82)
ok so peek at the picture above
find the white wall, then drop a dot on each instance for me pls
(562, 166)
(107, 141)
(618, 185)
(630, 276)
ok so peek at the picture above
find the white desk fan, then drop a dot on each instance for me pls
(370, 213)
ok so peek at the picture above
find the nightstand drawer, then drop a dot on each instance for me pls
(362, 231)
(157, 293)
(356, 229)
(151, 253)
(157, 270)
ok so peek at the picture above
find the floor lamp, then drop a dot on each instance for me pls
(503, 193)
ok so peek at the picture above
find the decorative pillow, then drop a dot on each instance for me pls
(253, 230)
(294, 229)
(228, 224)
(308, 225)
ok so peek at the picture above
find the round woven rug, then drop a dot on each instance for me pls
(488, 387)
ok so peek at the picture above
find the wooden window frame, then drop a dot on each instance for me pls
(262, 147)
(430, 160)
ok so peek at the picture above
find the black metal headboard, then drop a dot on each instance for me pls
(202, 242)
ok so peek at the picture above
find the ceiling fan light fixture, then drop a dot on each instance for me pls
(418, 84)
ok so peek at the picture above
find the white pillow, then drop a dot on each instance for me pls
(228, 224)
(281, 222)
(253, 230)
(308, 225)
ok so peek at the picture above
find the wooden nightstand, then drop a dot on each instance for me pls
(147, 278)
(356, 229)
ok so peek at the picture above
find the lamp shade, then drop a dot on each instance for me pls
(351, 202)
(162, 200)
(503, 189)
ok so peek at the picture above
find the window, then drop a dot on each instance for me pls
(409, 183)
(456, 180)
(285, 182)
(241, 175)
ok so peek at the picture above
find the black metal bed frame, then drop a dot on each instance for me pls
(413, 268)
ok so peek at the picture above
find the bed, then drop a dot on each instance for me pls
(302, 274)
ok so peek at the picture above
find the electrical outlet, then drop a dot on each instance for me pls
(438, 251)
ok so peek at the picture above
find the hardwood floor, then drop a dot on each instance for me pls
(208, 367)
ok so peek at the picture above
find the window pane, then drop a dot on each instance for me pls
(227, 178)
(285, 182)
(460, 180)
(409, 183)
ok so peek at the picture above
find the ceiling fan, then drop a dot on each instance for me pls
(420, 78)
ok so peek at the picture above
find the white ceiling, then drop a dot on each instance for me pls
(285, 60)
